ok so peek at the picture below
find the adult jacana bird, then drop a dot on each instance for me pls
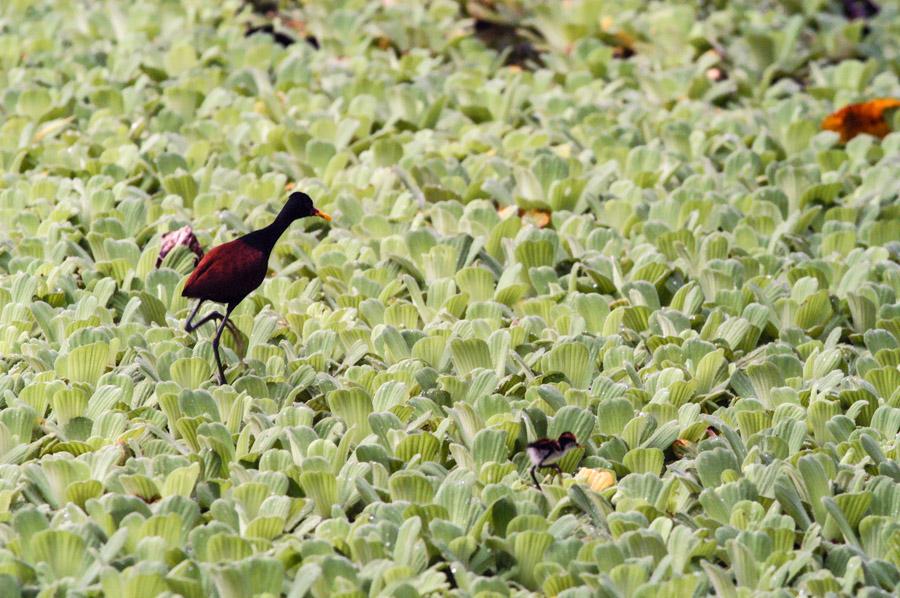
(546, 452)
(233, 270)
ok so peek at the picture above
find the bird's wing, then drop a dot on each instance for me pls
(228, 273)
(229, 265)
(203, 267)
(544, 444)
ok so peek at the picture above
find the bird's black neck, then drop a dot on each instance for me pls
(266, 237)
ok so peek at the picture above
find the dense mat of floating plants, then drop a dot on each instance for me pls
(620, 219)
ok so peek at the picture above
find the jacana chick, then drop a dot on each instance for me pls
(233, 270)
(546, 452)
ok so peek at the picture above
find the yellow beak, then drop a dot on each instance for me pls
(322, 214)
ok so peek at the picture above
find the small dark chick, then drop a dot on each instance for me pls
(546, 452)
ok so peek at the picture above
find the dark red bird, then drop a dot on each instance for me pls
(233, 270)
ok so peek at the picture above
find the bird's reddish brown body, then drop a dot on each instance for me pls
(228, 273)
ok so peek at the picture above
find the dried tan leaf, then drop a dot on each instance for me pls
(538, 218)
(597, 480)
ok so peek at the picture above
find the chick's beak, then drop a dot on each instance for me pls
(322, 214)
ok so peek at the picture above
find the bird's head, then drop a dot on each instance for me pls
(300, 205)
(567, 441)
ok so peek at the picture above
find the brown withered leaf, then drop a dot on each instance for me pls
(859, 9)
(866, 117)
(182, 236)
(624, 45)
(538, 218)
(262, 7)
(501, 36)
(622, 42)
(501, 27)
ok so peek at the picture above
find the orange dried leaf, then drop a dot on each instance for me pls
(866, 117)
(538, 218)
(597, 480)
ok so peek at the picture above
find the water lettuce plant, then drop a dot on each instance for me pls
(622, 220)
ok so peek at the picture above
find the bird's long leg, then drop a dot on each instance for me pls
(232, 329)
(213, 316)
(188, 326)
(534, 477)
(192, 326)
(216, 340)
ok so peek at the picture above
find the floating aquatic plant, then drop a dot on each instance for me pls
(622, 220)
